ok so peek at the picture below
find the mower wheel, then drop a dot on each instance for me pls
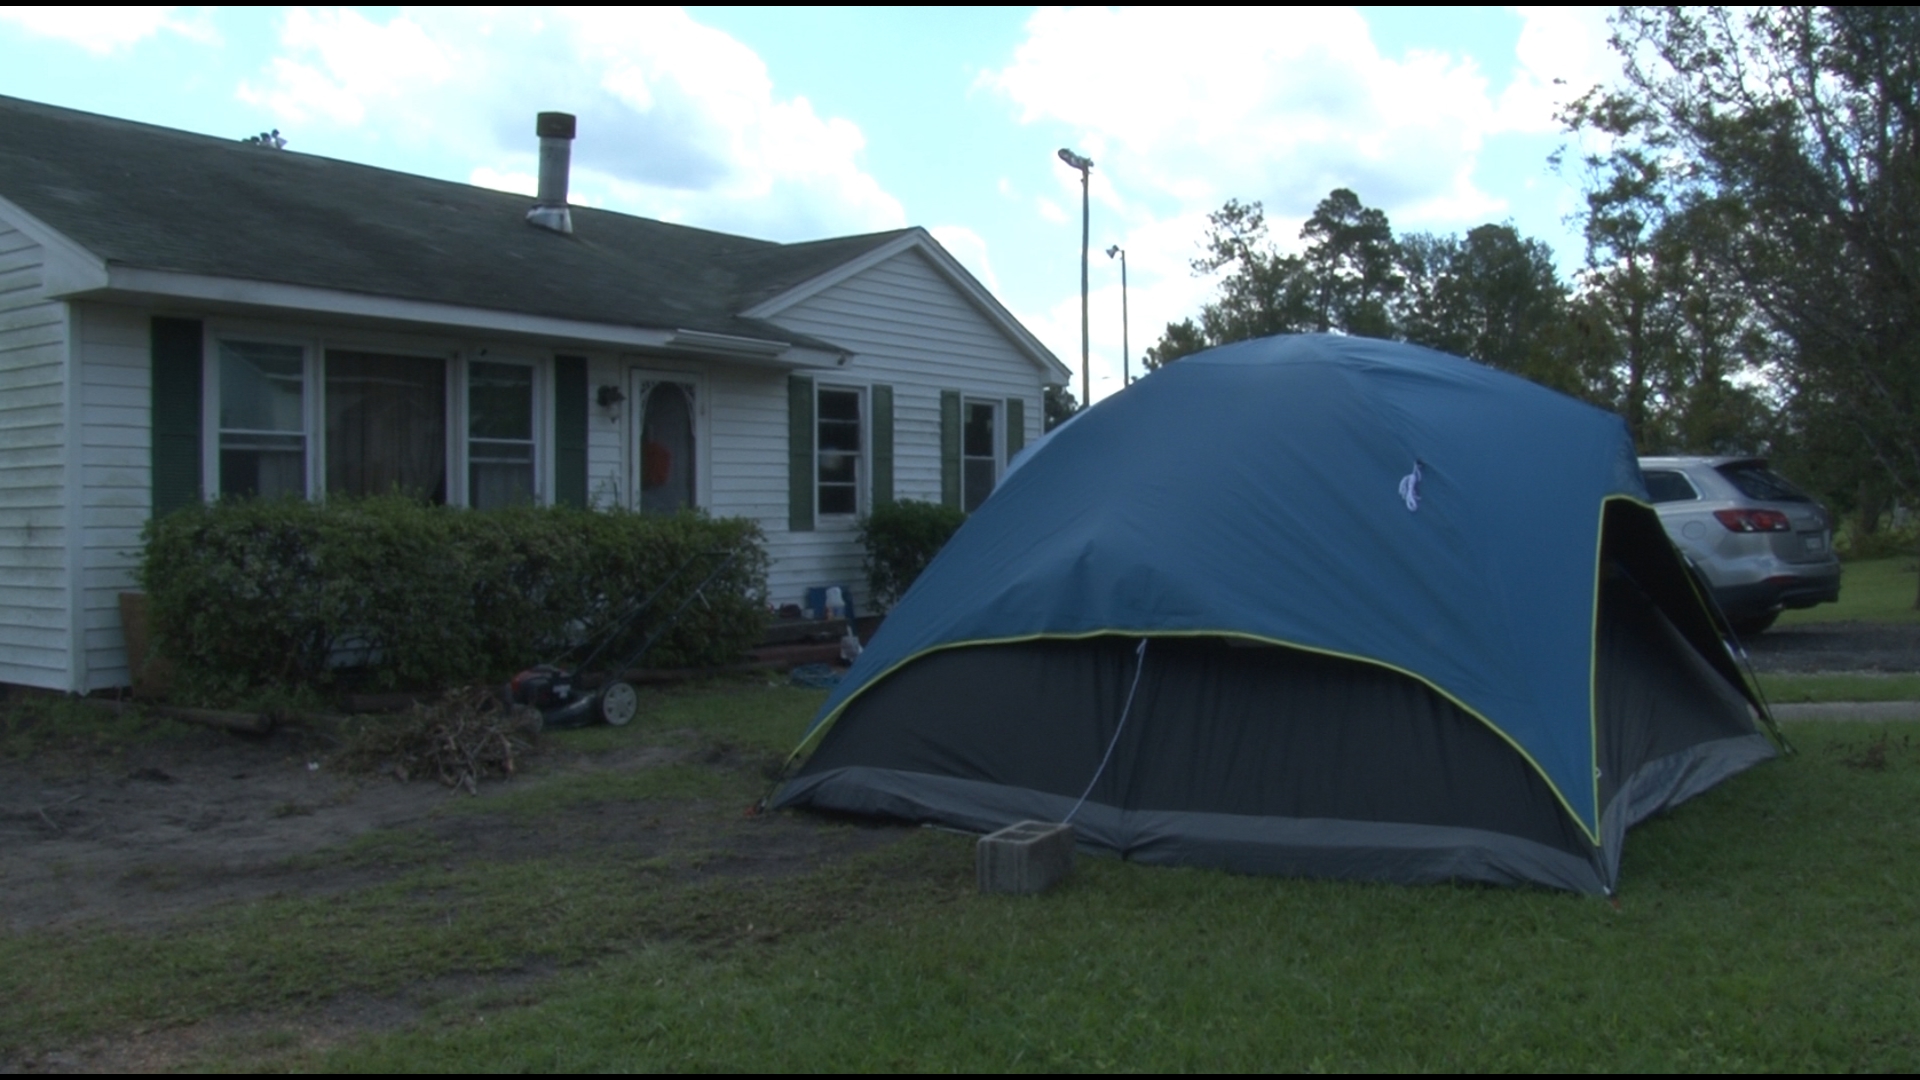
(618, 703)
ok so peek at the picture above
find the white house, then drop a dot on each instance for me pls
(184, 317)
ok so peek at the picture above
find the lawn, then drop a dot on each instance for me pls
(1770, 924)
(1871, 590)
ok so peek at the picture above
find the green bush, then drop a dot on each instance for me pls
(1886, 542)
(287, 594)
(902, 537)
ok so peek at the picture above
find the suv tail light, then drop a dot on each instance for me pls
(1754, 521)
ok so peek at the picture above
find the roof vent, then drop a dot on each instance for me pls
(556, 152)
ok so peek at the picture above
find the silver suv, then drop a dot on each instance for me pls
(1762, 544)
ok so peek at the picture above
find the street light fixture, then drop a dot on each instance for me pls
(1126, 359)
(1085, 165)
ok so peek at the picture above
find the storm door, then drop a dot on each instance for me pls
(666, 454)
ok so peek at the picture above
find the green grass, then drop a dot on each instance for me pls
(677, 781)
(1770, 924)
(1871, 590)
(1785, 689)
(758, 713)
(38, 724)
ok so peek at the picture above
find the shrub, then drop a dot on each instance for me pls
(901, 538)
(246, 595)
(1886, 542)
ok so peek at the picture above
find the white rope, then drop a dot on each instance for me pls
(1410, 488)
(1139, 665)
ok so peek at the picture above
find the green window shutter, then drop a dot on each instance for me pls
(570, 430)
(1016, 426)
(950, 448)
(178, 361)
(882, 445)
(799, 453)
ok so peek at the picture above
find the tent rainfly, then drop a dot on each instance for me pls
(1313, 605)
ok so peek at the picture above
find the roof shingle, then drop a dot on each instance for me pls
(156, 198)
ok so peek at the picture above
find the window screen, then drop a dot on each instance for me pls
(263, 420)
(977, 464)
(839, 451)
(499, 434)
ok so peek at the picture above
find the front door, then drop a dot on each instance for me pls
(665, 454)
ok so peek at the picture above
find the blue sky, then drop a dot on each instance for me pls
(797, 123)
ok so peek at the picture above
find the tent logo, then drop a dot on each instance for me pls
(1410, 488)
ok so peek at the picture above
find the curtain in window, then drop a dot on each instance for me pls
(386, 424)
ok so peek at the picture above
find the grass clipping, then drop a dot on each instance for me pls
(464, 737)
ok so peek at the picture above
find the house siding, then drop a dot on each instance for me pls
(910, 328)
(113, 345)
(35, 604)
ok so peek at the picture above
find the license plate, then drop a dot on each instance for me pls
(1817, 542)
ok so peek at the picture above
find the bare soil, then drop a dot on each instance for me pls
(139, 836)
(136, 837)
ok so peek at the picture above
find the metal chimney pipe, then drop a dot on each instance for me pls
(556, 155)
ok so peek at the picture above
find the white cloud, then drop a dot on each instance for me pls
(104, 30)
(676, 120)
(1277, 104)
(1182, 109)
(970, 248)
(1562, 53)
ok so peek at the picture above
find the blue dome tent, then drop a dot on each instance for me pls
(1310, 605)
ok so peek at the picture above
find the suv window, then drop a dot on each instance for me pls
(1756, 481)
(1667, 486)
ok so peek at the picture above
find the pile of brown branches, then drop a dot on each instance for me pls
(465, 736)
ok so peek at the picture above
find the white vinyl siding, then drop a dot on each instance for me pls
(909, 328)
(36, 611)
(114, 350)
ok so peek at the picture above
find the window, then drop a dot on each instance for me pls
(1756, 481)
(263, 419)
(1665, 486)
(386, 424)
(838, 451)
(499, 434)
(306, 420)
(978, 462)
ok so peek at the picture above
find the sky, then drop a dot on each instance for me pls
(801, 123)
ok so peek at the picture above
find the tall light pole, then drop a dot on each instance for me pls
(1126, 358)
(1085, 165)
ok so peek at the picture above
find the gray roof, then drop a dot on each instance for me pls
(156, 198)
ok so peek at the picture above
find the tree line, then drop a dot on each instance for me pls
(1750, 280)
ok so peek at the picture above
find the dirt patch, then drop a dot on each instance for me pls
(172, 826)
(145, 835)
(149, 833)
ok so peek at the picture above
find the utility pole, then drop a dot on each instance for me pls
(1085, 165)
(1126, 356)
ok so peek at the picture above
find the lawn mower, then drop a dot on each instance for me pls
(558, 692)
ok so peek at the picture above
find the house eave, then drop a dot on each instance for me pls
(918, 239)
(204, 292)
